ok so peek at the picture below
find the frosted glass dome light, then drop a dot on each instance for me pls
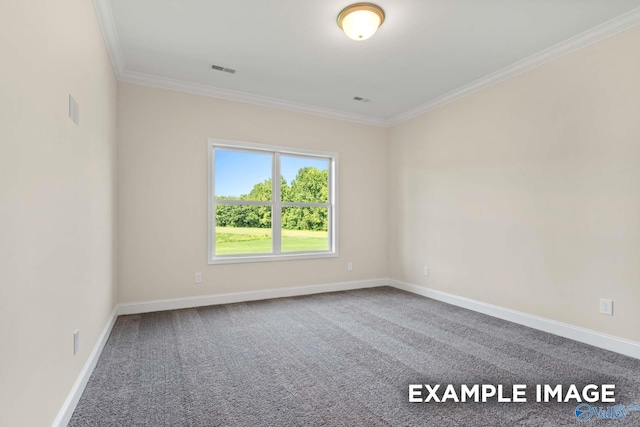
(361, 20)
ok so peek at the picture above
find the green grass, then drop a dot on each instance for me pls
(236, 240)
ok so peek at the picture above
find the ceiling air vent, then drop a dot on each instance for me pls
(361, 99)
(226, 70)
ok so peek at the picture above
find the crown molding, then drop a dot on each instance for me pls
(589, 37)
(110, 34)
(229, 95)
(112, 41)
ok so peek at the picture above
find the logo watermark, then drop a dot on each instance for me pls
(586, 412)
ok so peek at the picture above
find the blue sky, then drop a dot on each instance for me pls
(237, 172)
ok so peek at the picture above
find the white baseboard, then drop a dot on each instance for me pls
(200, 301)
(597, 339)
(64, 416)
(587, 336)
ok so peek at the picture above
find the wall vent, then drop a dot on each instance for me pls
(223, 69)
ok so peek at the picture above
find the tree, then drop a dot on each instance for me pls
(310, 185)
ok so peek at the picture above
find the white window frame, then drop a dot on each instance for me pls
(276, 204)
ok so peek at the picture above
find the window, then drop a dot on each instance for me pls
(270, 203)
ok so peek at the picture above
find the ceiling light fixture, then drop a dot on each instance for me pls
(360, 20)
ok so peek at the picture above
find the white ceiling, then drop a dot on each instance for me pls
(290, 53)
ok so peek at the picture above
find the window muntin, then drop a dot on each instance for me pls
(251, 219)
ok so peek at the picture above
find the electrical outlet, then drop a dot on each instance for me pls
(74, 110)
(198, 277)
(606, 306)
(425, 271)
(349, 266)
(76, 342)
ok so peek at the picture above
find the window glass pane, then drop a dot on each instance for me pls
(304, 179)
(243, 229)
(305, 229)
(241, 175)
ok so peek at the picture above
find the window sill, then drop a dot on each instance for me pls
(269, 258)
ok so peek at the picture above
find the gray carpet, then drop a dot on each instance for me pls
(336, 359)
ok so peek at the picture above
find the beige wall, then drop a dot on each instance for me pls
(56, 202)
(162, 172)
(527, 194)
